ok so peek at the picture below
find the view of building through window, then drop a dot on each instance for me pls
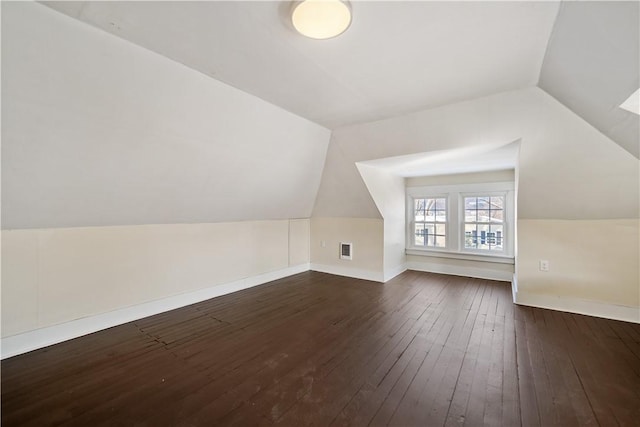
(430, 222)
(470, 219)
(484, 223)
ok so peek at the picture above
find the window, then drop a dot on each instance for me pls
(471, 221)
(430, 222)
(484, 223)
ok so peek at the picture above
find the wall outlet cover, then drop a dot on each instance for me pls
(544, 265)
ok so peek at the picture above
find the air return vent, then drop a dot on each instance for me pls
(346, 250)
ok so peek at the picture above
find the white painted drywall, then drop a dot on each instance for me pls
(104, 136)
(98, 131)
(388, 192)
(51, 276)
(397, 56)
(367, 236)
(507, 175)
(486, 270)
(567, 169)
(299, 235)
(592, 260)
(474, 158)
(461, 267)
(592, 64)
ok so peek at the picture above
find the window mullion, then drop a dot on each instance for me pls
(491, 226)
(453, 222)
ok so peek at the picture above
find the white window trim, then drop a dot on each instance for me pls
(411, 222)
(455, 220)
(508, 229)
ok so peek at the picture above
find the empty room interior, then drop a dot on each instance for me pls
(321, 212)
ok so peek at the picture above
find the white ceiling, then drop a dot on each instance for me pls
(396, 57)
(476, 158)
(592, 65)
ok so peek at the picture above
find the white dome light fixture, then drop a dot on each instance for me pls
(321, 19)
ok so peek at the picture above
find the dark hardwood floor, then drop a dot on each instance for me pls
(421, 350)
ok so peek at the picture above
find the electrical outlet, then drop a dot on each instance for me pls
(544, 265)
(323, 244)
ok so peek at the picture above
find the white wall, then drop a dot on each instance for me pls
(98, 131)
(388, 192)
(299, 235)
(367, 236)
(507, 175)
(462, 267)
(52, 276)
(567, 171)
(590, 260)
(102, 138)
(591, 40)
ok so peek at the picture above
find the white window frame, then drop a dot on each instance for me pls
(455, 195)
(412, 222)
(507, 238)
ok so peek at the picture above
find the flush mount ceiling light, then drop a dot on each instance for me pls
(321, 19)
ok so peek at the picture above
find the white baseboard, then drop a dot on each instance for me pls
(574, 305)
(32, 340)
(479, 273)
(388, 275)
(356, 273)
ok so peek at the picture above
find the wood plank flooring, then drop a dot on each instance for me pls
(420, 350)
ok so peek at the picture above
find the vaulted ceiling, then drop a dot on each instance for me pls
(592, 66)
(399, 57)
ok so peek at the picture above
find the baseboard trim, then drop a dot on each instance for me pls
(39, 338)
(388, 275)
(355, 273)
(479, 273)
(578, 306)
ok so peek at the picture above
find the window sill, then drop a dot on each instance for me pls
(498, 259)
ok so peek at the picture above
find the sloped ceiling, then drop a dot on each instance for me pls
(97, 131)
(592, 66)
(95, 128)
(397, 57)
(567, 169)
(479, 158)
